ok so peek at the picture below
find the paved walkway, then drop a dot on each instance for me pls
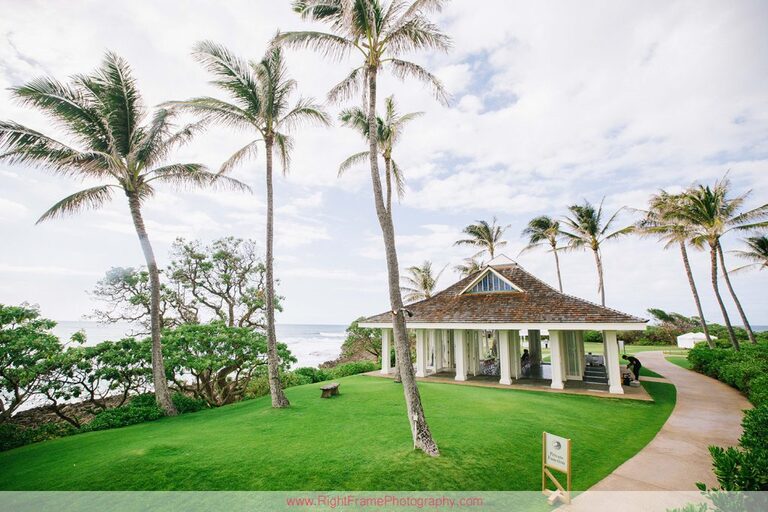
(707, 413)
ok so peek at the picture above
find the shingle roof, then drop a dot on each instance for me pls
(537, 303)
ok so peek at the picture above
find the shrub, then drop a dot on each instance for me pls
(123, 416)
(343, 370)
(185, 404)
(13, 435)
(314, 374)
(745, 468)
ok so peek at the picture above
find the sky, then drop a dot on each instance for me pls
(554, 103)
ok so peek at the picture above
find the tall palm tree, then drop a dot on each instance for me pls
(712, 214)
(486, 236)
(756, 252)
(587, 229)
(380, 34)
(662, 220)
(420, 283)
(114, 144)
(542, 231)
(469, 267)
(259, 103)
(388, 130)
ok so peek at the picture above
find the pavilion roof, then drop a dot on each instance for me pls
(532, 302)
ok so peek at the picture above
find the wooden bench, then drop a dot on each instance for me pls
(330, 390)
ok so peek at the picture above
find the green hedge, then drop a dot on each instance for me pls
(13, 435)
(745, 370)
(259, 386)
(742, 468)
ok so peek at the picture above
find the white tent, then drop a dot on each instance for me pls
(689, 339)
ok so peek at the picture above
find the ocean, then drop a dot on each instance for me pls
(309, 344)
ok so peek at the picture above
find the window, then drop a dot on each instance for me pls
(491, 283)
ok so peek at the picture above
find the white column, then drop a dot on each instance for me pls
(459, 354)
(514, 354)
(556, 358)
(611, 348)
(438, 350)
(432, 349)
(504, 357)
(421, 353)
(386, 337)
(534, 346)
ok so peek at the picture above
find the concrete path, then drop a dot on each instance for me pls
(707, 412)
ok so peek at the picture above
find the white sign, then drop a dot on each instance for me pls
(556, 450)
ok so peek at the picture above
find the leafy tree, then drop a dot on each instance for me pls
(94, 374)
(756, 252)
(469, 267)
(27, 352)
(216, 362)
(223, 280)
(588, 229)
(114, 144)
(259, 103)
(662, 220)
(362, 339)
(542, 231)
(486, 236)
(380, 34)
(420, 282)
(713, 213)
(389, 130)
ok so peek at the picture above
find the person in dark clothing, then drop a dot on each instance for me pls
(634, 365)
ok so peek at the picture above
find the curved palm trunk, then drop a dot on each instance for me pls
(600, 282)
(716, 288)
(279, 399)
(557, 265)
(162, 394)
(388, 178)
(695, 292)
(733, 294)
(422, 436)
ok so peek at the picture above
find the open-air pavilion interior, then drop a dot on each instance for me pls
(494, 328)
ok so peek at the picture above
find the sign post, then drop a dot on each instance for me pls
(555, 454)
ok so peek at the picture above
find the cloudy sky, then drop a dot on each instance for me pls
(554, 103)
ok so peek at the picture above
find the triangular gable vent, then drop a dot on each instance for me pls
(491, 281)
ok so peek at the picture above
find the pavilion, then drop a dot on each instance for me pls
(479, 328)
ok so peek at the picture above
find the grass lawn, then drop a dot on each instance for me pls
(680, 361)
(490, 439)
(645, 372)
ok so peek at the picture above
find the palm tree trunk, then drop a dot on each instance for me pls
(388, 178)
(716, 288)
(422, 436)
(600, 282)
(733, 294)
(557, 265)
(689, 273)
(279, 399)
(162, 394)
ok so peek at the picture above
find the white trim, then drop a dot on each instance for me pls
(490, 326)
(485, 273)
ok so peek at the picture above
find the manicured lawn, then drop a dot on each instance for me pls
(490, 439)
(680, 361)
(645, 372)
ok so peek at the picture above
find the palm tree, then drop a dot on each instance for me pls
(114, 144)
(757, 253)
(380, 34)
(662, 220)
(259, 103)
(587, 229)
(542, 231)
(712, 214)
(469, 267)
(485, 236)
(388, 132)
(421, 282)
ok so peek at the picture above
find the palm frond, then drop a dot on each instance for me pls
(352, 161)
(232, 74)
(90, 198)
(194, 175)
(284, 146)
(348, 87)
(217, 111)
(244, 153)
(329, 45)
(305, 111)
(403, 70)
